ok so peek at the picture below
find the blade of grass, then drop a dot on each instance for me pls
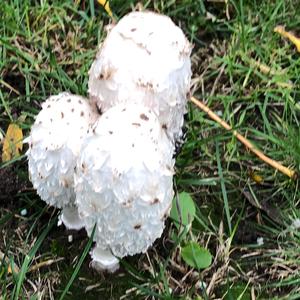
(78, 265)
(28, 259)
(5, 219)
(223, 187)
(92, 8)
(148, 292)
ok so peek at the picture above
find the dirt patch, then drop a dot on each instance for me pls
(10, 185)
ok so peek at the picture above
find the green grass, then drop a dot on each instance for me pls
(48, 48)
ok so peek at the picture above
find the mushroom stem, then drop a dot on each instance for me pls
(70, 217)
(276, 165)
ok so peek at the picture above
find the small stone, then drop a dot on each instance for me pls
(23, 212)
(70, 238)
(260, 241)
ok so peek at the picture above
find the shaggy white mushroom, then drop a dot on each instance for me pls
(123, 182)
(144, 59)
(54, 144)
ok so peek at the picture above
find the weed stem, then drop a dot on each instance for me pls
(276, 165)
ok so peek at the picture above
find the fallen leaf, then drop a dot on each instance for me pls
(11, 266)
(287, 34)
(256, 177)
(105, 4)
(12, 143)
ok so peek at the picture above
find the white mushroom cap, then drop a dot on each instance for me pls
(123, 180)
(54, 144)
(144, 59)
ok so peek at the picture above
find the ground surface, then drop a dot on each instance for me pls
(246, 212)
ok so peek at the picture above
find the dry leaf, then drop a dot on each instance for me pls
(105, 4)
(13, 142)
(289, 35)
(10, 270)
(256, 177)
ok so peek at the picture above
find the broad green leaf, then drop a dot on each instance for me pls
(183, 211)
(196, 256)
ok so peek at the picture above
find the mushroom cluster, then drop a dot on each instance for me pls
(108, 160)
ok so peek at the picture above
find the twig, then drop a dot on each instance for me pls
(44, 264)
(276, 165)
(9, 87)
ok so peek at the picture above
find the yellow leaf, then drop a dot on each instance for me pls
(10, 268)
(105, 4)
(13, 142)
(257, 178)
(289, 35)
